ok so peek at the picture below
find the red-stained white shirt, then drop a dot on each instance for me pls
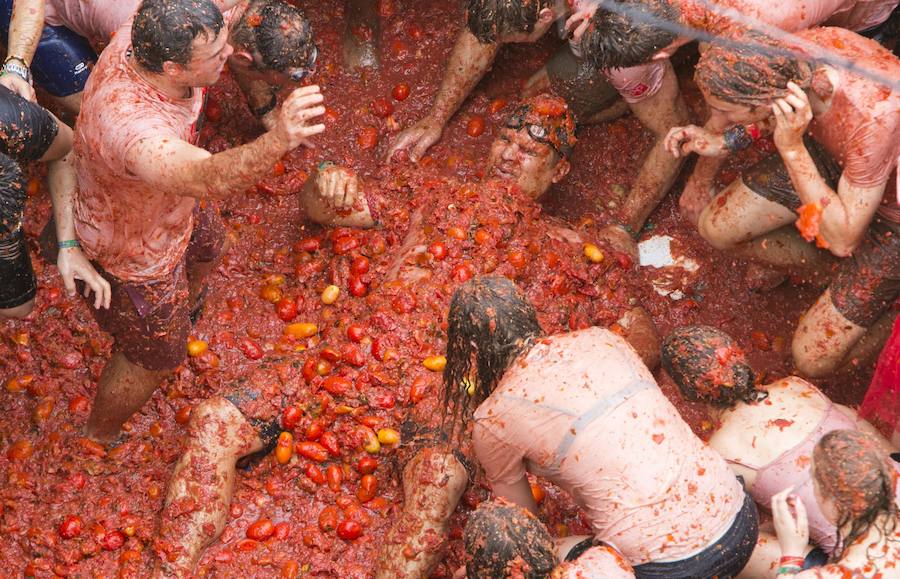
(582, 411)
(95, 20)
(134, 230)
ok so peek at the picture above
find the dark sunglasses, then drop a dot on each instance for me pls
(299, 74)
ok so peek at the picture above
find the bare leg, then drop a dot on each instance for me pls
(433, 482)
(765, 558)
(198, 271)
(202, 484)
(362, 35)
(18, 312)
(640, 332)
(123, 388)
(823, 338)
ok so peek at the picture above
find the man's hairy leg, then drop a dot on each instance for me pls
(202, 485)
(433, 482)
(659, 113)
(123, 388)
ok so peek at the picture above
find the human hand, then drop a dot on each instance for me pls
(338, 186)
(18, 85)
(580, 20)
(417, 138)
(682, 141)
(620, 240)
(792, 114)
(791, 526)
(74, 265)
(302, 105)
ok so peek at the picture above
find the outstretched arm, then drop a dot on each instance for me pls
(469, 61)
(180, 167)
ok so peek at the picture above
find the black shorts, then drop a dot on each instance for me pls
(17, 281)
(723, 560)
(585, 89)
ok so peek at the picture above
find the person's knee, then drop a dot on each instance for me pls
(714, 231)
(19, 312)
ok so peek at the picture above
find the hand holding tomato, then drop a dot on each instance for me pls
(417, 139)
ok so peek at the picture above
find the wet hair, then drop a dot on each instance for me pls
(504, 540)
(616, 40)
(165, 30)
(278, 31)
(854, 471)
(750, 75)
(490, 323)
(708, 366)
(487, 19)
(553, 116)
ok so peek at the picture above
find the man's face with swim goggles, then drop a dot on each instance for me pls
(294, 74)
(526, 154)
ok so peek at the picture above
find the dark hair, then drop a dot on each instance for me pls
(164, 30)
(749, 74)
(490, 323)
(278, 31)
(486, 19)
(504, 540)
(708, 366)
(854, 471)
(615, 39)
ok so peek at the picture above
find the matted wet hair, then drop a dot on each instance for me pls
(505, 540)
(616, 40)
(486, 19)
(853, 470)
(279, 31)
(708, 366)
(489, 324)
(165, 30)
(749, 74)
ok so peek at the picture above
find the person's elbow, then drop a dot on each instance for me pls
(843, 242)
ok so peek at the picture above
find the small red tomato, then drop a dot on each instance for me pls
(309, 369)
(291, 417)
(457, 233)
(70, 527)
(335, 476)
(368, 486)
(308, 244)
(359, 265)
(184, 414)
(315, 474)
(328, 518)
(330, 354)
(357, 287)
(286, 308)
(314, 430)
(462, 272)
(384, 400)
(79, 404)
(345, 244)
(312, 451)
(475, 128)
(367, 138)
(282, 531)
(330, 441)
(352, 355)
(260, 530)
(497, 105)
(400, 91)
(356, 332)
(349, 530)
(404, 302)
(337, 385)
(517, 259)
(251, 349)
(381, 108)
(367, 465)
(112, 540)
(438, 250)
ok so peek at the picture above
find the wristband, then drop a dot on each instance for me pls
(324, 165)
(788, 570)
(68, 243)
(20, 69)
(788, 560)
(265, 109)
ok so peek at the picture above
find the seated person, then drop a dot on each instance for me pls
(838, 139)
(489, 25)
(31, 133)
(766, 433)
(634, 55)
(272, 43)
(855, 485)
(582, 411)
(504, 541)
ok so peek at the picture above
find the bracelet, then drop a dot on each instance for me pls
(324, 165)
(739, 137)
(788, 570)
(68, 243)
(19, 69)
(265, 109)
(790, 561)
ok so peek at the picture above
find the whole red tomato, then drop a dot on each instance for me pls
(400, 91)
(381, 108)
(286, 308)
(261, 530)
(70, 527)
(357, 287)
(112, 540)
(475, 127)
(349, 530)
(356, 332)
(250, 349)
(359, 265)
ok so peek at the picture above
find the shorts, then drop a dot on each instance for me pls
(586, 90)
(722, 560)
(18, 284)
(770, 178)
(150, 320)
(63, 59)
(868, 281)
